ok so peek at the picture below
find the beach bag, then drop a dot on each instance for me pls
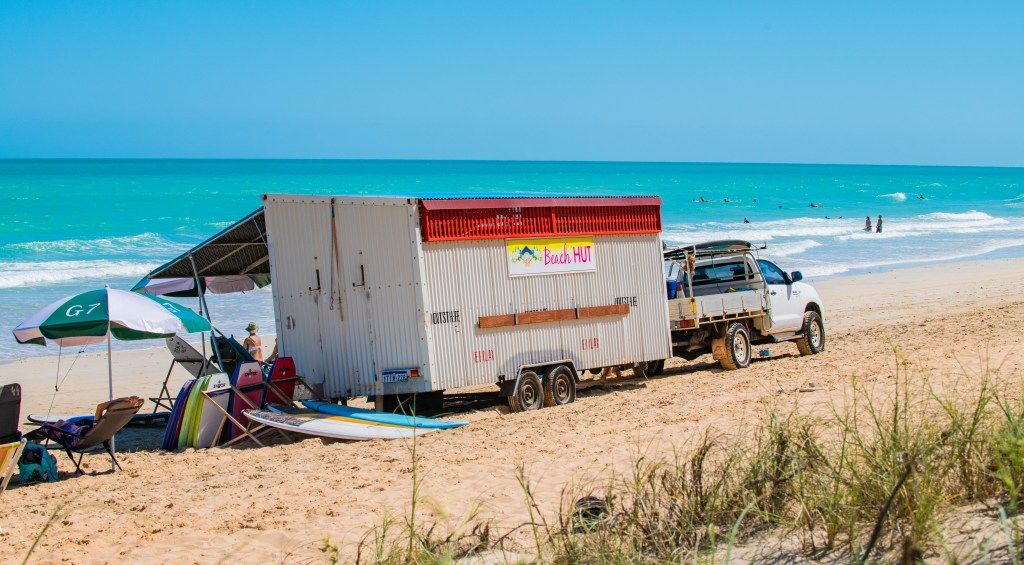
(36, 465)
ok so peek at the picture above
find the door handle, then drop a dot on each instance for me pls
(773, 293)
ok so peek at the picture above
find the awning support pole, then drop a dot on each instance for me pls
(204, 309)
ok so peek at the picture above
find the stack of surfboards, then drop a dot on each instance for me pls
(195, 420)
(342, 422)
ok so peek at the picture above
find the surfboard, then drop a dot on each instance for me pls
(209, 417)
(310, 422)
(381, 417)
(187, 356)
(282, 375)
(248, 378)
(186, 437)
(177, 411)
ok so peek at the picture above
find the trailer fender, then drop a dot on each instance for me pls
(509, 387)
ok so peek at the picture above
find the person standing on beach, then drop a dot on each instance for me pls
(867, 223)
(253, 344)
(878, 226)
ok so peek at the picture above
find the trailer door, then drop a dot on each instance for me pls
(300, 297)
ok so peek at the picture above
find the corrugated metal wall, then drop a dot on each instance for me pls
(379, 322)
(471, 278)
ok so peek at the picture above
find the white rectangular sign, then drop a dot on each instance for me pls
(550, 255)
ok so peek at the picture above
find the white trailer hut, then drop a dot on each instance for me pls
(395, 296)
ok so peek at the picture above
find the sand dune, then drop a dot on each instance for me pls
(279, 502)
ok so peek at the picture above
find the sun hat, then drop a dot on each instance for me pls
(252, 327)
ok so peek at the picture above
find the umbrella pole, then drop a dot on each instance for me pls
(110, 382)
(110, 368)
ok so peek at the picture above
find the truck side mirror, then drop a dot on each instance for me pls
(796, 276)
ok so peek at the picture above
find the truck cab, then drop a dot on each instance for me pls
(724, 299)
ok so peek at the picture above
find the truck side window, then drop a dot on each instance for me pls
(725, 272)
(771, 273)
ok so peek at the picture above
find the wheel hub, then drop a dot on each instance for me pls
(562, 389)
(815, 334)
(740, 348)
(529, 395)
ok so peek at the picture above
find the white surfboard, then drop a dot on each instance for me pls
(187, 356)
(209, 416)
(314, 423)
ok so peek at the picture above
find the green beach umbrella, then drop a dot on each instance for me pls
(98, 315)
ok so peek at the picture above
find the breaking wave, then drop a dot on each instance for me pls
(143, 244)
(897, 196)
(824, 268)
(793, 248)
(845, 229)
(821, 247)
(19, 274)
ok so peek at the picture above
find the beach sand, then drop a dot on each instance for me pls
(280, 502)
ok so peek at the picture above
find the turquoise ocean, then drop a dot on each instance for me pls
(72, 225)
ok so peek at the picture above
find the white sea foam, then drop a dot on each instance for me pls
(847, 229)
(897, 196)
(793, 248)
(147, 243)
(18, 274)
(826, 268)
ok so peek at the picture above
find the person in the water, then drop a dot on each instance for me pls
(867, 223)
(878, 226)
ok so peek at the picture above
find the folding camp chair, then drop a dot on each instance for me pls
(111, 416)
(10, 454)
(10, 412)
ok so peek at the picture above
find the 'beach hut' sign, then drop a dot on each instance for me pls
(550, 256)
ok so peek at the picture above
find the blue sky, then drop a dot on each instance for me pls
(910, 82)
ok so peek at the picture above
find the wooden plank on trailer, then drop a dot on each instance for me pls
(544, 316)
(499, 321)
(602, 311)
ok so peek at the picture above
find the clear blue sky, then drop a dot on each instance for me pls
(851, 82)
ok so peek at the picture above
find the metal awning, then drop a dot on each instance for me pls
(240, 250)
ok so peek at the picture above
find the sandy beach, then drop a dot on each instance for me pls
(279, 502)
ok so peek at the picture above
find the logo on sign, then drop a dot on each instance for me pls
(550, 256)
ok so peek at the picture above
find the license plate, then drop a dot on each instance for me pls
(395, 377)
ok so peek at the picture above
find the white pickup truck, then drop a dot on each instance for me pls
(725, 300)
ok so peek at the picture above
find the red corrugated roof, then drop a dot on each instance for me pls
(456, 219)
(537, 202)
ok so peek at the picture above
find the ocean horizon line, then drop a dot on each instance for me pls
(524, 161)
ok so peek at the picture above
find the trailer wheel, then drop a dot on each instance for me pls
(559, 386)
(655, 368)
(737, 348)
(813, 339)
(530, 395)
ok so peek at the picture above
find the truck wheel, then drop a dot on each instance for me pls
(559, 386)
(737, 348)
(530, 395)
(813, 339)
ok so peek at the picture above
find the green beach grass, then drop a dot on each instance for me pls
(877, 477)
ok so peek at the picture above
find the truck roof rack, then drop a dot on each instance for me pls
(718, 247)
